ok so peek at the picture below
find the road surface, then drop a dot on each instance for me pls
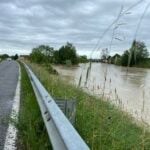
(9, 71)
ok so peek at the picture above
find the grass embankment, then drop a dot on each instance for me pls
(102, 125)
(32, 133)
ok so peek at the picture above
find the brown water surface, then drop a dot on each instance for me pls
(128, 89)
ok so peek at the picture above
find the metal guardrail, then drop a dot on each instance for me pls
(62, 134)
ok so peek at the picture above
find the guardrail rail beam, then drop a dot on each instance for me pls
(62, 134)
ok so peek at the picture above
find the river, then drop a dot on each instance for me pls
(128, 89)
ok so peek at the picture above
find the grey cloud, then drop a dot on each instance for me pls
(25, 24)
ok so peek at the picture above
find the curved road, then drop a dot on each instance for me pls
(9, 72)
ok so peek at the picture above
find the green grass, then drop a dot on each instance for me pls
(32, 133)
(143, 63)
(102, 125)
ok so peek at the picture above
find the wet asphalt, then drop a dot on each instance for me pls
(9, 71)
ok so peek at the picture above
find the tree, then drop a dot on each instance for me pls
(83, 59)
(136, 53)
(116, 59)
(42, 54)
(36, 56)
(125, 58)
(15, 57)
(4, 56)
(56, 57)
(66, 53)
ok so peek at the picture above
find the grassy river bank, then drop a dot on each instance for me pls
(102, 125)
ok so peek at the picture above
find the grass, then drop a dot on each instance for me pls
(143, 63)
(102, 125)
(32, 133)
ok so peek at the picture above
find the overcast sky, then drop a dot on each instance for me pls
(25, 24)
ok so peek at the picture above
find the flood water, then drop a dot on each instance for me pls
(130, 89)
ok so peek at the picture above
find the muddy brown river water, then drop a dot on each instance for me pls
(130, 89)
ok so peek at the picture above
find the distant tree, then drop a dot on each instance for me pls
(125, 58)
(135, 54)
(83, 59)
(116, 59)
(56, 58)
(138, 52)
(109, 57)
(15, 57)
(36, 56)
(66, 53)
(45, 54)
(4, 56)
(46, 50)
(42, 54)
(116, 55)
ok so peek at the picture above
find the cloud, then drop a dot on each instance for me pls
(26, 24)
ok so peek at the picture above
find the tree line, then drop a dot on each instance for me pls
(65, 55)
(5, 56)
(137, 54)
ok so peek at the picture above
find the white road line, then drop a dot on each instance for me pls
(11, 135)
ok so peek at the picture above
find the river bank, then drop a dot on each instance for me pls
(101, 124)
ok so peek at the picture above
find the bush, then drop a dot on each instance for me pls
(67, 52)
(42, 54)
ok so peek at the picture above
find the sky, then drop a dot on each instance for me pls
(89, 25)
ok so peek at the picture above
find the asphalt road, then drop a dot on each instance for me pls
(9, 71)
